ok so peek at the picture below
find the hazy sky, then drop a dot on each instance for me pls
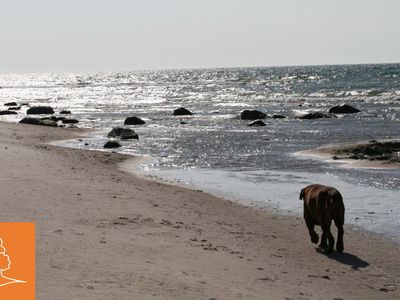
(107, 35)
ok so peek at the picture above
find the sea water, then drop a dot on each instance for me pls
(216, 151)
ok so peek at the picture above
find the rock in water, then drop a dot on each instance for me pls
(111, 144)
(256, 123)
(11, 104)
(40, 110)
(35, 121)
(279, 117)
(129, 134)
(7, 112)
(115, 132)
(123, 133)
(343, 109)
(65, 112)
(252, 115)
(181, 111)
(316, 115)
(134, 121)
(69, 121)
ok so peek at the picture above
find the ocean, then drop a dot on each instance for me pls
(214, 150)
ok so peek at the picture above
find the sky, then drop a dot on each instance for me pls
(123, 35)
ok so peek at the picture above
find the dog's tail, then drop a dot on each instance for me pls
(301, 194)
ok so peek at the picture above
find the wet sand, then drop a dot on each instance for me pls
(103, 233)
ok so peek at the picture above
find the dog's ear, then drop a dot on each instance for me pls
(301, 194)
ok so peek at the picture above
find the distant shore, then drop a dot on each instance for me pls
(103, 233)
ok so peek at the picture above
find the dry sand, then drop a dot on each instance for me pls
(103, 233)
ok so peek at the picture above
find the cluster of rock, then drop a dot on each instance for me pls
(52, 121)
(256, 117)
(12, 108)
(120, 133)
(46, 121)
(123, 133)
(338, 109)
(373, 150)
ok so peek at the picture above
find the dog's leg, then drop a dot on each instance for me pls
(339, 244)
(326, 230)
(324, 241)
(310, 226)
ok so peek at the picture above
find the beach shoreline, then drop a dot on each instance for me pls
(105, 233)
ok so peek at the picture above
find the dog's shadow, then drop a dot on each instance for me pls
(346, 258)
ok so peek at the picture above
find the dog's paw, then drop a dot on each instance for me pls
(314, 238)
(327, 251)
(322, 246)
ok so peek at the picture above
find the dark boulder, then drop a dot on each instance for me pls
(134, 121)
(181, 111)
(69, 121)
(316, 115)
(65, 112)
(35, 121)
(252, 115)
(7, 112)
(256, 123)
(343, 109)
(11, 104)
(115, 132)
(129, 134)
(123, 133)
(14, 108)
(111, 144)
(279, 117)
(40, 110)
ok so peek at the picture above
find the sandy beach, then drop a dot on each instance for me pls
(103, 233)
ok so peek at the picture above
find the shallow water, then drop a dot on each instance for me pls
(215, 141)
(373, 209)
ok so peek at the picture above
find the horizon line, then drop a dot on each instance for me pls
(200, 68)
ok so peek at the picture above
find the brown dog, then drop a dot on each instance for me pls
(322, 204)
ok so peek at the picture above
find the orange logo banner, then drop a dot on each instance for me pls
(17, 261)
